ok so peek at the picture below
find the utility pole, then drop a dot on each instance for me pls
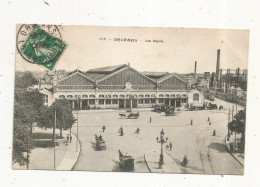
(232, 112)
(27, 163)
(228, 115)
(228, 122)
(78, 97)
(54, 156)
(77, 129)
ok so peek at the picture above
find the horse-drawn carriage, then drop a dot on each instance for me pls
(170, 112)
(163, 108)
(133, 115)
(157, 109)
(212, 106)
(122, 115)
(126, 162)
(100, 143)
(129, 114)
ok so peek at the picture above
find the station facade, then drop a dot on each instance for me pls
(121, 86)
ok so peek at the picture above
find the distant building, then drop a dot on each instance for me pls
(207, 75)
(195, 98)
(203, 84)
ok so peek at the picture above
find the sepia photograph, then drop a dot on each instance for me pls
(130, 99)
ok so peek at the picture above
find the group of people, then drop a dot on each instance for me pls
(69, 138)
(98, 137)
(121, 131)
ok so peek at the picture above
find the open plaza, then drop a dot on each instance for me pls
(207, 154)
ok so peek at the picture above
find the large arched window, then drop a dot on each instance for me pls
(92, 96)
(161, 95)
(62, 96)
(77, 96)
(101, 96)
(147, 95)
(196, 97)
(167, 95)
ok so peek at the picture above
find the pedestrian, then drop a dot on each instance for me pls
(162, 132)
(208, 119)
(170, 145)
(191, 122)
(214, 132)
(121, 131)
(185, 160)
(103, 128)
(150, 119)
(70, 138)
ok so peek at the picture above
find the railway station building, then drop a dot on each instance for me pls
(121, 86)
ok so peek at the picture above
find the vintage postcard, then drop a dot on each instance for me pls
(130, 99)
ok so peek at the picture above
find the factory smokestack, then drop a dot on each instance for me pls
(195, 70)
(218, 66)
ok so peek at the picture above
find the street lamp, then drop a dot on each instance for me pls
(78, 98)
(161, 141)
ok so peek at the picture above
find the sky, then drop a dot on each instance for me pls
(180, 48)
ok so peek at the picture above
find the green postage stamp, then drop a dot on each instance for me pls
(40, 44)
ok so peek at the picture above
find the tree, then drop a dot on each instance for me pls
(22, 136)
(32, 99)
(238, 125)
(64, 116)
(27, 109)
(46, 118)
(26, 80)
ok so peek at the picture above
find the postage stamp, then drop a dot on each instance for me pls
(40, 44)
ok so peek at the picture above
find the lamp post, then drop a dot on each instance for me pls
(78, 98)
(161, 141)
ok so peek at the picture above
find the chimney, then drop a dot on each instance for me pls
(195, 70)
(218, 66)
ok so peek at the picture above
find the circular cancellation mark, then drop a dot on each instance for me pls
(40, 44)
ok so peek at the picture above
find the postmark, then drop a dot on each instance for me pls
(40, 44)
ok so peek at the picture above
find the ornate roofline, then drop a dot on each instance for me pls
(125, 68)
(74, 73)
(173, 75)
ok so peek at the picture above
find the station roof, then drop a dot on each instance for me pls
(100, 73)
(108, 69)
